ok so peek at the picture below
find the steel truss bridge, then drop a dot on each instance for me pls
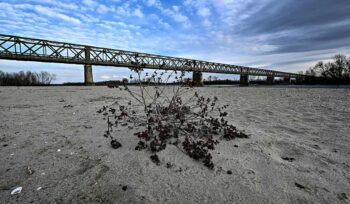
(30, 49)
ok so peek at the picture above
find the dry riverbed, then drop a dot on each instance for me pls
(52, 145)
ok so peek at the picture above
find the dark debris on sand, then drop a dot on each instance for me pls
(299, 185)
(155, 159)
(342, 196)
(124, 188)
(115, 144)
(290, 159)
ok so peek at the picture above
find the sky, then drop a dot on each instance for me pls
(284, 35)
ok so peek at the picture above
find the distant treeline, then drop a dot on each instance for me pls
(25, 78)
(335, 72)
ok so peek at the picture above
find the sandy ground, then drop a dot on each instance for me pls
(72, 162)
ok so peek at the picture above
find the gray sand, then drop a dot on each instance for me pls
(309, 125)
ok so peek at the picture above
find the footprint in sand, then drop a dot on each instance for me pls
(250, 176)
(87, 165)
(103, 169)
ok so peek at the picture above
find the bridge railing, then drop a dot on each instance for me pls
(29, 49)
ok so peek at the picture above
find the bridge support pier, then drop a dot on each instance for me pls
(244, 80)
(88, 79)
(286, 80)
(270, 80)
(299, 80)
(197, 78)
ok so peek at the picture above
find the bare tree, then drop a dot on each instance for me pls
(46, 78)
(336, 69)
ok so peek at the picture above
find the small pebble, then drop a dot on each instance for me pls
(229, 172)
(58, 150)
(30, 171)
(124, 188)
(235, 145)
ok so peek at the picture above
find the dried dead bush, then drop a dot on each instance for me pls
(170, 114)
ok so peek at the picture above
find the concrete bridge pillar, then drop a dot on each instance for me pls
(286, 80)
(244, 80)
(197, 78)
(270, 80)
(299, 80)
(88, 79)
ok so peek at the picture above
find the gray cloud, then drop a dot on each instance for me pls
(296, 26)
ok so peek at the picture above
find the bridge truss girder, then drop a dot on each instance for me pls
(29, 49)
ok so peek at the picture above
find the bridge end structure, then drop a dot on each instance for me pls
(88, 79)
(244, 80)
(197, 78)
(270, 80)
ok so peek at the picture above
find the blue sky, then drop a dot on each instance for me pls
(288, 35)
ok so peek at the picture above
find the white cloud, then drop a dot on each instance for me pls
(102, 9)
(204, 12)
(188, 2)
(206, 23)
(173, 12)
(176, 8)
(152, 2)
(112, 76)
(138, 13)
(231, 12)
(178, 17)
(88, 18)
(51, 13)
(122, 11)
(89, 3)
(164, 24)
(105, 77)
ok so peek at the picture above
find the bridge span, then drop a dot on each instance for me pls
(30, 49)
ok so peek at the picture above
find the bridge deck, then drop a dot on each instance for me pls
(29, 49)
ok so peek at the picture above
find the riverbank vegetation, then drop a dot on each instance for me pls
(336, 71)
(26, 78)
